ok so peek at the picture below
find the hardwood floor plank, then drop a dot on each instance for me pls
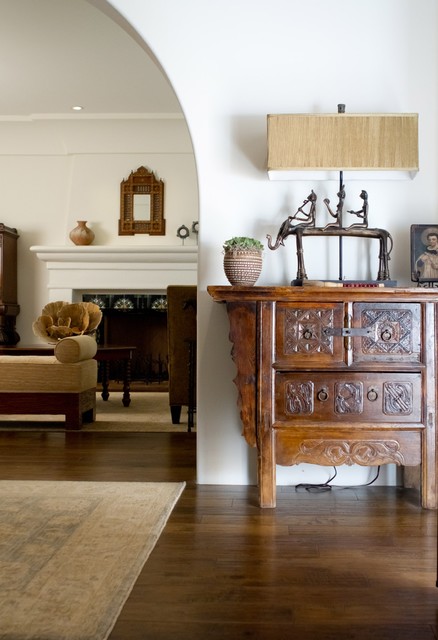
(355, 564)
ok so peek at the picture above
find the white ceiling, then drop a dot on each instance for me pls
(58, 53)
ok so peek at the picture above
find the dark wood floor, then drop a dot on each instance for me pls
(356, 564)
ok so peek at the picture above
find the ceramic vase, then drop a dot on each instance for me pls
(81, 235)
(243, 266)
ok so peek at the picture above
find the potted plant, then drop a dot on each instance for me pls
(243, 258)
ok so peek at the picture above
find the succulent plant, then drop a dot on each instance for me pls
(63, 319)
(242, 243)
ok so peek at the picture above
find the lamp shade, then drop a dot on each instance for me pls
(342, 142)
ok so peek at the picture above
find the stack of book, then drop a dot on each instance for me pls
(345, 283)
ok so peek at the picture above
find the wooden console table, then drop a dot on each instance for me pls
(105, 354)
(334, 376)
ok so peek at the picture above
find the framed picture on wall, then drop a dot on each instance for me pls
(424, 253)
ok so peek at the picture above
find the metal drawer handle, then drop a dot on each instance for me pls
(372, 395)
(322, 395)
(386, 334)
(307, 334)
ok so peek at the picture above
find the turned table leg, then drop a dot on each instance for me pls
(127, 383)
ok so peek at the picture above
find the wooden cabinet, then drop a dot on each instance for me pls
(336, 376)
(9, 308)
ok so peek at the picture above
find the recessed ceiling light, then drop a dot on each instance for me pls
(77, 108)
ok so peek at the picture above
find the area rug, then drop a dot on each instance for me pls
(70, 553)
(148, 412)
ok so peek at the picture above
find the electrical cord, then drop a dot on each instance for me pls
(326, 486)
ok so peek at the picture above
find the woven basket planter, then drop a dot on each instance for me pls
(243, 266)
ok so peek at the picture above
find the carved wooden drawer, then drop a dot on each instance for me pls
(353, 396)
(330, 334)
(365, 447)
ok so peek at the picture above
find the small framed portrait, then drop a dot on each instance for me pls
(424, 253)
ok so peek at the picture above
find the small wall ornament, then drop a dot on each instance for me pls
(183, 232)
(142, 204)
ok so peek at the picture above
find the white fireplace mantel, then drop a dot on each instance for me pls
(74, 270)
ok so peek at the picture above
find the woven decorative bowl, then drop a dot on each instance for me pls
(243, 266)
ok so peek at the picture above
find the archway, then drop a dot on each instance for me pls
(46, 81)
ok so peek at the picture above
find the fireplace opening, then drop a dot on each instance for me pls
(140, 321)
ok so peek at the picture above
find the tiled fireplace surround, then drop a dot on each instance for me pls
(74, 270)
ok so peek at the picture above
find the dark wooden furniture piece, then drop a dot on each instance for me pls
(181, 336)
(111, 353)
(146, 331)
(105, 354)
(336, 376)
(9, 308)
(31, 350)
(78, 408)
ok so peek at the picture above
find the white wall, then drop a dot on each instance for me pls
(231, 63)
(53, 173)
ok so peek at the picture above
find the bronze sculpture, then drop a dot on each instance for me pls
(306, 227)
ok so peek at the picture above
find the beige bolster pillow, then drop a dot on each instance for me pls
(75, 349)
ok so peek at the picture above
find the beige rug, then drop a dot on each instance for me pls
(148, 412)
(70, 553)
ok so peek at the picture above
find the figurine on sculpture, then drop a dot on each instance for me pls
(307, 219)
(362, 213)
(338, 214)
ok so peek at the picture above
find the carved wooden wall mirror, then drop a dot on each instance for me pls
(142, 204)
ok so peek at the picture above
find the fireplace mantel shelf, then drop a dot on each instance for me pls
(116, 253)
(73, 270)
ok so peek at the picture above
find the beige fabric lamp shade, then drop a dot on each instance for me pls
(386, 144)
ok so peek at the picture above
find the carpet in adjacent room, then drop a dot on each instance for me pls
(148, 412)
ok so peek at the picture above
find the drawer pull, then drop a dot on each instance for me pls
(322, 395)
(307, 334)
(386, 335)
(372, 395)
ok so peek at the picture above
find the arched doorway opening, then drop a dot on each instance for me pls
(62, 55)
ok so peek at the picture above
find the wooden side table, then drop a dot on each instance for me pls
(335, 376)
(110, 353)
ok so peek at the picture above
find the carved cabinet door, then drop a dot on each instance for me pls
(305, 334)
(393, 332)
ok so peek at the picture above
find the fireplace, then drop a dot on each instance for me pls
(76, 270)
(130, 282)
(135, 320)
